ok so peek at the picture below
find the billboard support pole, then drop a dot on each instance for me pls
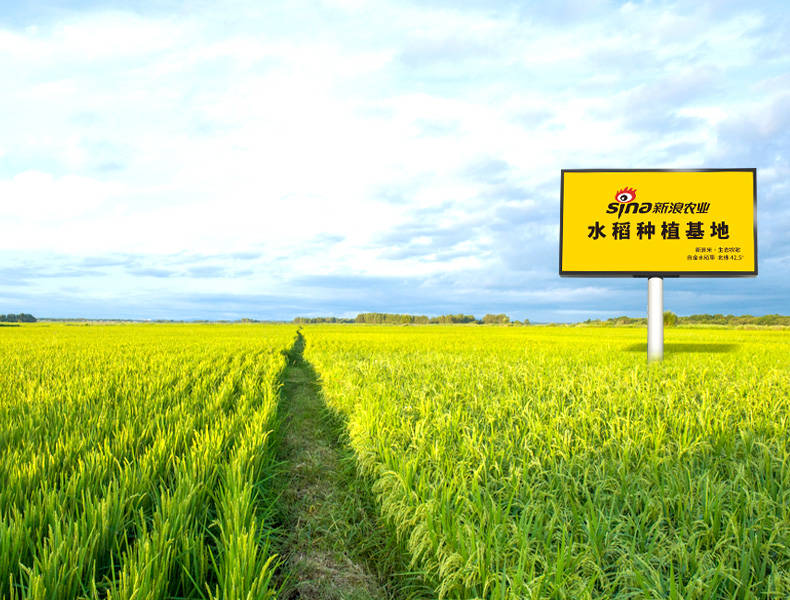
(655, 319)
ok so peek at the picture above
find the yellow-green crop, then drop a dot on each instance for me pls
(554, 463)
(523, 462)
(134, 459)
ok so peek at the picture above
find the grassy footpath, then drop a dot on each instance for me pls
(331, 543)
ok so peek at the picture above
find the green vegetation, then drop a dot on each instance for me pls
(306, 320)
(18, 318)
(135, 460)
(381, 318)
(554, 463)
(224, 461)
(732, 320)
(672, 319)
(331, 544)
(404, 319)
(498, 319)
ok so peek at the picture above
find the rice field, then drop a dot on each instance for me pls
(136, 461)
(553, 463)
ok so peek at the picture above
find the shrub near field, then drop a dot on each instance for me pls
(132, 459)
(553, 463)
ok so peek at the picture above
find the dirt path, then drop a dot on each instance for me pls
(327, 520)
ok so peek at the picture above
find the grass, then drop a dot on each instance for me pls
(332, 542)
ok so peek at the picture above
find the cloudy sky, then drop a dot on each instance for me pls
(188, 159)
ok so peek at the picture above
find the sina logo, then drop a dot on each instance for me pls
(625, 203)
(625, 195)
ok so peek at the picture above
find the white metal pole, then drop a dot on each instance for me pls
(655, 319)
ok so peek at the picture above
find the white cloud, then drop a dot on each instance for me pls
(41, 198)
(241, 126)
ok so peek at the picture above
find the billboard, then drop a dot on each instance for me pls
(658, 222)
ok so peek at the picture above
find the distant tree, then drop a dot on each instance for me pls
(671, 319)
(498, 319)
(459, 318)
(305, 320)
(18, 318)
(390, 318)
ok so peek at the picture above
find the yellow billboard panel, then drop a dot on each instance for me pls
(658, 222)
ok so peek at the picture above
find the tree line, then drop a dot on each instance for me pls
(406, 319)
(719, 319)
(17, 318)
(671, 319)
(302, 320)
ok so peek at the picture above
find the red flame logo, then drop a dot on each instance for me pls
(625, 195)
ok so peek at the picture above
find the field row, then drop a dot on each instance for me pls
(133, 458)
(553, 463)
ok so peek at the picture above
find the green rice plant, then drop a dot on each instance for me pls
(244, 567)
(553, 462)
(134, 459)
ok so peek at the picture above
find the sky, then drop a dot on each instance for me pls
(220, 160)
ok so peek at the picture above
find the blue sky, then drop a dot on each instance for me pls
(246, 159)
